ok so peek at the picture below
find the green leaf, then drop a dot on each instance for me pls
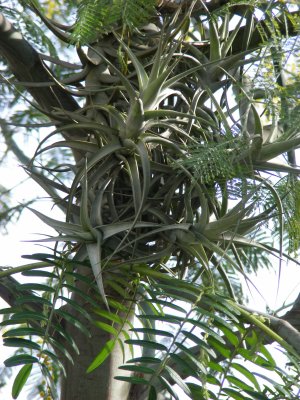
(219, 347)
(151, 331)
(168, 304)
(216, 367)
(147, 343)
(23, 332)
(257, 395)
(263, 350)
(183, 366)
(197, 340)
(107, 328)
(39, 273)
(69, 338)
(36, 286)
(145, 360)
(117, 288)
(206, 329)
(134, 380)
(102, 356)
(71, 288)
(215, 46)
(212, 380)
(117, 305)
(238, 382)
(231, 336)
(40, 256)
(172, 319)
(19, 342)
(73, 320)
(139, 68)
(256, 359)
(245, 371)
(199, 392)
(152, 394)
(33, 299)
(9, 310)
(55, 358)
(63, 349)
(168, 386)
(94, 253)
(138, 368)
(75, 144)
(187, 353)
(64, 227)
(20, 380)
(19, 360)
(110, 316)
(234, 394)
(178, 380)
(27, 315)
(77, 307)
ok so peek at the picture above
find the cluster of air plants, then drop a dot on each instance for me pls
(166, 191)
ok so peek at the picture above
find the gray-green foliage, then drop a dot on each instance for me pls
(164, 204)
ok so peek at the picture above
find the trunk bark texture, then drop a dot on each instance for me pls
(100, 383)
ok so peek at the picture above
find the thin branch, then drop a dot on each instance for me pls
(12, 145)
(27, 66)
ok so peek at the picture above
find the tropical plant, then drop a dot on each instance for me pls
(161, 158)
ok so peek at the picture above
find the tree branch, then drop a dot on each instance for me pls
(26, 64)
(288, 327)
(8, 290)
(11, 144)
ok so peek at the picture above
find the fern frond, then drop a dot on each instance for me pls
(216, 161)
(137, 12)
(98, 17)
(94, 18)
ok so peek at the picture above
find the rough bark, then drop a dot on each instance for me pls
(26, 65)
(100, 383)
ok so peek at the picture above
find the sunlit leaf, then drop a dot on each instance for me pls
(20, 380)
(101, 357)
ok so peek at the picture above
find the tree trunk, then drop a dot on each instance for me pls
(100, 383)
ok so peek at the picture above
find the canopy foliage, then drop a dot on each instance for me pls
(171, 151)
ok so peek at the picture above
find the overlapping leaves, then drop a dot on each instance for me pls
(149, 212)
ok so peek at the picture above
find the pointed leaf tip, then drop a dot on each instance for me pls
(21, 380)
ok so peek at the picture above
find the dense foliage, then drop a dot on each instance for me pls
(172, 153)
